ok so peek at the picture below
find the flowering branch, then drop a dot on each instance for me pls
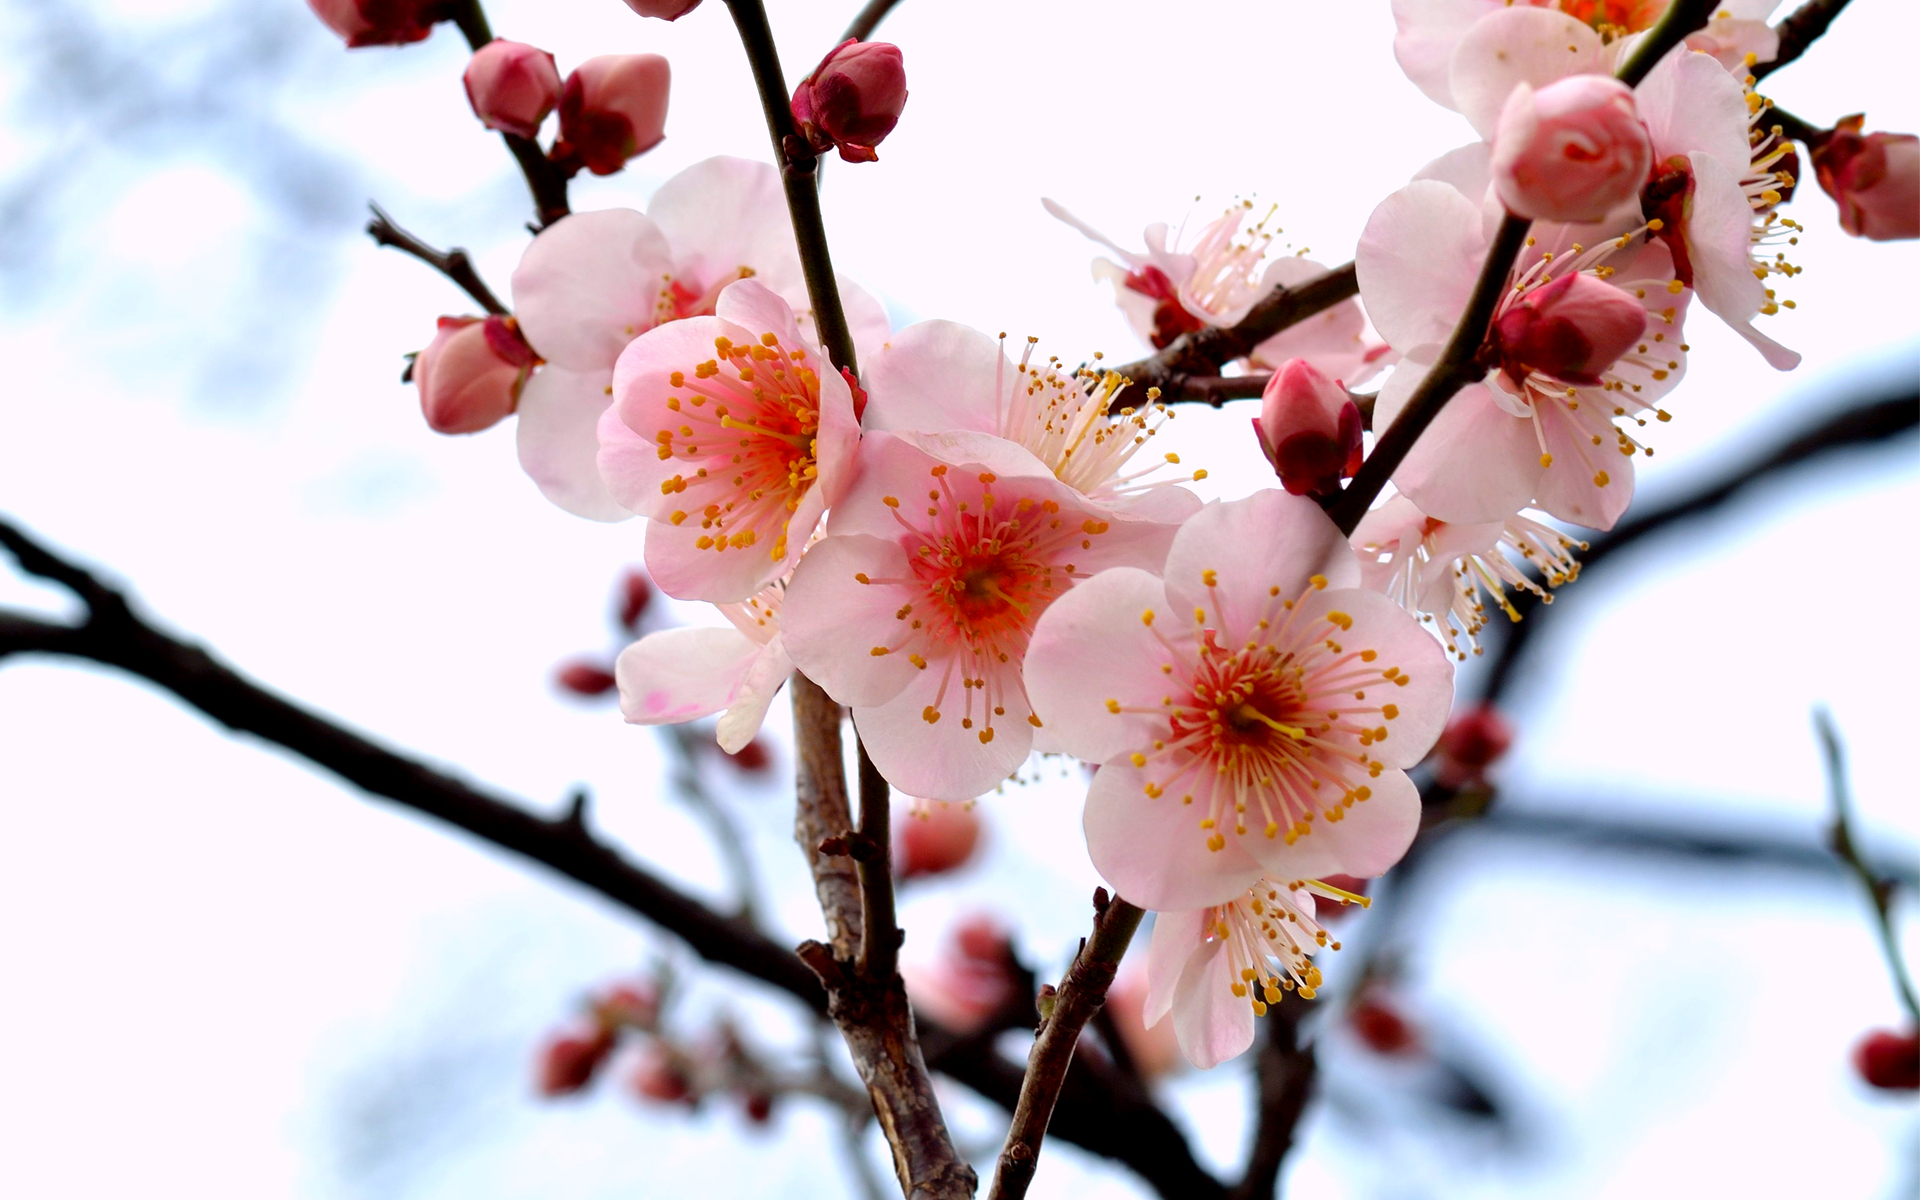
(545, 179)
(1082, 991)
(1800, 29)
(1840, 837)
(868, 19)
(453, 263)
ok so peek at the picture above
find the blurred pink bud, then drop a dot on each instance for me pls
(569, 1061)
(636, 592)
(655, 1076)
(1875, 179)
(1889, 1060)
(758, 1107)
(470, 375)
(512, 87)
(971, 982)
(633, 1004)
(1572, 151)
(1381, 1026)
(1326, 910)
(666, 10)
(381, 22)
(1155, 1051)
(1309, 429)
(852, 100)
(1572, 329)
(585, 678)
(940, 839)
(753, 758)
(613, 108)
(1473, 741)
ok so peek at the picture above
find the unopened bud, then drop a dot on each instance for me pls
(1888, 1060)
(569, 1061)
(1473, 741)
(585, 678)
(1046, 1001)
(938, 839)
(470, 375)
(758, 1106)
(753, 758)
(630, 1004)
(852, 100)
(612, 108)
(1572, 151)
(655, 1076)
(381, 22)
(1572, 329)
(512, 87)
(1874, 178)
(666, 10)
(636, 592)
(1309, 428)
(1381, 1026)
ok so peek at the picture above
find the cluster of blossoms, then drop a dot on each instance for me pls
(983, 555)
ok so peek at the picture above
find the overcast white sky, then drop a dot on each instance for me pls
(228, 976)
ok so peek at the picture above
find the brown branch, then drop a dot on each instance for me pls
(1800, 29)
(1214, 390)
(545, 179)
(1285, 1071)
(868, 19)
(879, 929)
(453, 263)
(1840, 837)
(1083, 990)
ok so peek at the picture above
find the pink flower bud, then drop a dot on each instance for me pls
(1889, 1060)
(1381, 1026)
(381, 22)
(1572, 151)
(656, 1076)
(852, 100)
(470, 375)
(666, 10)
(631, 1004)
(585, 678)
(940, 840)
(1874, 179)
(971, 982)
(569, 1061)
(614, 107)
(1572, 329)
(1474, 740)
(512, 87)
(1309, 429)
(753, 758)
(636, 593)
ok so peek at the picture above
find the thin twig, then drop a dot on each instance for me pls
(1840, 837)
(1214, 390)
(879, 929)
(545, 179)
(453, 263)
(1083, 990)
(868, 19)
(1800, 29)
(685, 748)
(1285, 1071)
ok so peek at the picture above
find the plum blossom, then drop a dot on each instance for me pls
(1573, 151)
(677, 675)
(472, 373)
(1874, 178)
(1215, 969)
(1216, 281)
(593, 282)
(917, 609)
(852, 100)
(732, 434)
(939, 376)
(1253, 713)
(1450, 574)
(1309, 428)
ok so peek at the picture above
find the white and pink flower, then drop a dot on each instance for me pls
(732, 434)
(917, 609)
(1253, 713)
(673, 676)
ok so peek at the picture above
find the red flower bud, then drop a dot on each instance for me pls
(569, 1061)
(471, 373)
(655, 1076)
(381, 22)
(1573, 329)
(852, 100)
(666, 10)
(940, 839)
(585, 678)
(1309, 429)
(512, 87)
(632, 1004)
(614, 107)
(636, 592)
(753, 758)
(1889, 1060)
(1875, 179)
(758, 1107)
(1473, 741)
(1381, 1026)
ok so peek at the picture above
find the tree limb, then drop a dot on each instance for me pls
(1800, 29)
(453, 263)
(868, 19)
(1284, 1071)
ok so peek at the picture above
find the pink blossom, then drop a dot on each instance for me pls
(666, 10)
(939, 376)
(1889, 1060)
(852, 100)
(593, 282)
(1874, 178)
(971, 981)
(381, 22)
(917, 610)
(677, 675)
(1217, 968)
(512, 87)
(1254, 713)
(613, 108)
(1156, 1049)
(1473, 741)
(1309, 428)
(471, 374)
(1449, 574)
(732, 434)
(1573, 151)
(937, 837)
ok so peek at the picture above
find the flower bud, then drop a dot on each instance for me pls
(1381, 1026)
(512, 87)
(569, 1061)
(585, 678)
(758, 1107)
(1875, 179)
(381, 22)
(1572, 329)
(666, 10)
(939, 839)
(852, 100)
(630, 1004)
(655, 1076)
(753, 758)
(636, 592)
(1889, 1060)
(613, 108)
(1572, 151)
(1473, 741)
(971, 981)
(471, 373)
(1309, 429)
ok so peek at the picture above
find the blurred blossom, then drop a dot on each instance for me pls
(753, 758)
(569, 1060)
(1888, 1060)
(381, 22)
(636, 1005)
(1155, 1050)
(936, 837)
(1473, 741)
(512, 87)
(666, 10)
(583, 677)
(1378, 1022)
(1339, 909)
(656, 1076)
(852, 100)
(1874, 178)
(636, 592)
(970, 982)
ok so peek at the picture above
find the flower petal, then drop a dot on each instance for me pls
(1518, 45)
(937, 375)
(1175, 937)
(560, 411)
(1091, 646)
(1426, 32)
(1268, 544)
(1417, 260)
(1475, 462)
(830, 621)
(680, 675)
(1424, 700)
(765, 676)
(722, 214)
(946, 759)
(1691, 106)
(588, 284)
(1211, 1023)
(1572, 488)
(1372, 836)
(1152, 849)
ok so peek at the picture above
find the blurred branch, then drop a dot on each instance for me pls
(454, 263)
(1840, 837)
(686, 747)
(1284, 1070)
(1798, 30)
(545, 180)
(1083, 990)
(868, 19)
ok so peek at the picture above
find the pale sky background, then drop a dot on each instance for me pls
(228, 976)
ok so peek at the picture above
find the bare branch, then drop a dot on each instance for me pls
(1840, 837)
(1800, 29)
(1285, 1071)
(452, 263)
(868, 19)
